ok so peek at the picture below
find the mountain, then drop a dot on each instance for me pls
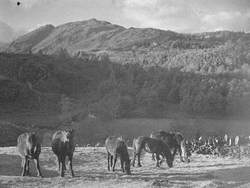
(25, 43)
(89, 36)
(201, 52)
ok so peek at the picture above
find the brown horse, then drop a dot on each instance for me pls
(175, 142)
(115, 147)
(152, 145)
(63, 146)
(29, 148)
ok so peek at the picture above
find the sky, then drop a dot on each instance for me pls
(188, 16)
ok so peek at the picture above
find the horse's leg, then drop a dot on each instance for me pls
(111, 160)
(108, 161)
(153, 157)
(70, 165)
(28, 168)
(36, 160)
(139, 160)
(134, 156)
(115, 159)
(63, 165)
(59, 163)
(122, 165)
(24, 163)
(157, 160)
(239, 153)
(161, 160)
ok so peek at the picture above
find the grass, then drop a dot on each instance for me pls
(90, 166)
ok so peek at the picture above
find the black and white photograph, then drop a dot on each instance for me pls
(124, 93)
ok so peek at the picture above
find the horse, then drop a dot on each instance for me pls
(175, 142)
(29, 148)
(152, 145)
(115, 147)
(63, 146)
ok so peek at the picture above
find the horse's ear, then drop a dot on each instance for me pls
(34, 133)
(72, 131)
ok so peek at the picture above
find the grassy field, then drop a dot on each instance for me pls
(90, 166)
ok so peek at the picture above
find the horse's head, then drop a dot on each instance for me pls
(66, 136)
(69, 134)
(127, 167)
(170, 159)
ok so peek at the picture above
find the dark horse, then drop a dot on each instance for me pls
(63, 146)
(175, 142)
(116, 146)
(29, 148)
(151, 145)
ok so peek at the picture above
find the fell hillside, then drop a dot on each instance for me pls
(25, 43)
(204, 53)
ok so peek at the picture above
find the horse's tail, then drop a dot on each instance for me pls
(236, 141)
(183, 150)
(182, 146)
(138, 144)
(134, 144)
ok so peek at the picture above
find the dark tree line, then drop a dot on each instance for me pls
(108, 90)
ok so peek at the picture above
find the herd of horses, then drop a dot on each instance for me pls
(161, 144)
(220, 145)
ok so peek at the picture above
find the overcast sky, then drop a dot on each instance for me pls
(177, 15)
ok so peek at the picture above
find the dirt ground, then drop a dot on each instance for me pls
(90, 166)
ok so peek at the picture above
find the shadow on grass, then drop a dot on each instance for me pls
(10, 165)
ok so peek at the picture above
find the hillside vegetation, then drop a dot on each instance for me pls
(88, 73)
(108, 90)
